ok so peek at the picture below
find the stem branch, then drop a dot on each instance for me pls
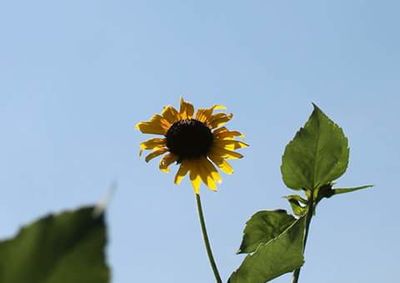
(309, 216)
(206, 240)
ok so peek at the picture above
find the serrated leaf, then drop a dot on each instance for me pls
(63, 248)
(317, 155)
(264, 226)
(349, 190)
(281, 255)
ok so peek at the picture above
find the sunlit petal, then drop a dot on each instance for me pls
(205, 114)
(205, 174)
(182, 171)
(186, 110)
(156, 153)
(230, 144)
(170, 114)
(167, 160)
(152, 144)
(225, 153)
(228, 135)
(220, 130)
(157, 125)
(218, 107)
(219, 119)
(221, 163)
(214, 172)
(195, 177)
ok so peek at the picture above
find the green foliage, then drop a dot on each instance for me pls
(280, 255)
(275, 240)
(264, 226)
(63, 248)
(317, 155)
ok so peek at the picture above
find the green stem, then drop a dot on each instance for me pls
(309, 215)
(206, 240)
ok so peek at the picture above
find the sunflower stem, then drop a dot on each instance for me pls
(309, 215)
(206, 240)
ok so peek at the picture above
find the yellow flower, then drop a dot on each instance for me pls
(196, 141)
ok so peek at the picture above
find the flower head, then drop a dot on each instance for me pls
(195, 141)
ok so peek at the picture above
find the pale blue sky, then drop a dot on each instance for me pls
(75, 76)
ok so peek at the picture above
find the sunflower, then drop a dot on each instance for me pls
(196, 141)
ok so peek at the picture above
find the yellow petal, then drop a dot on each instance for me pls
(225, 153)
(205, 174)
(220, 130)
(195, 177)
(227, 134)
(186, 110)
(170, 114)
(152, 143)
(219, 119)
(182, 171)
(147, 128)
(156, 153)
(230, 144)
(157, 125)
(204, 114)
(166, 161)
(221, 163)
(214, 172)
(218, 107)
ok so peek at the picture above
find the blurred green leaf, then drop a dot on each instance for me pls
(317, 155)
(280, 255)
(264, 226)
(62, 248)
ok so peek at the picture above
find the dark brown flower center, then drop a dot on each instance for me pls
(189, 139)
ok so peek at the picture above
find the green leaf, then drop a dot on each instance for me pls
(264, 226)
(349, 190)
(63, 248)
(281, 255)
(317, 155)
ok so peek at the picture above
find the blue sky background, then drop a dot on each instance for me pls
(75, 76)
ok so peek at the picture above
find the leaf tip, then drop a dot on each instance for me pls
(315, 106)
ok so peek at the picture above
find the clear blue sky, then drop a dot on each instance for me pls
(75, 76)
